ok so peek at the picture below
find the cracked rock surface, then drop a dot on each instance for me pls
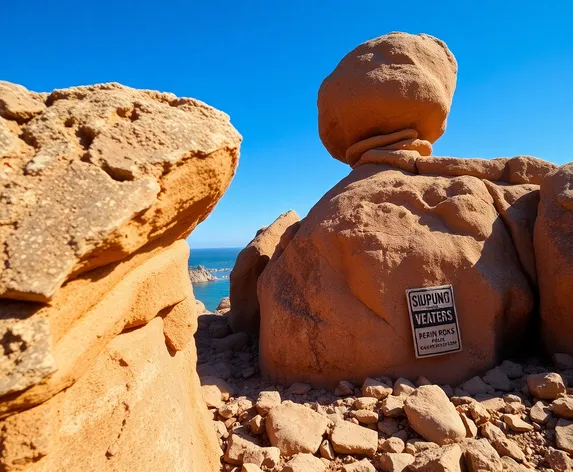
(90, 174)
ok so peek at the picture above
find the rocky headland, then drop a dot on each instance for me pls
(199, 274)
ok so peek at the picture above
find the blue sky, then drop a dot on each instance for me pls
(262, 62)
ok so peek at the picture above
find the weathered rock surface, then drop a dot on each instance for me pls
(283, 426)
(554, 258)
(91, 174)
(338, 288)
(133, 386)
(349, 438)
(251, 261)
(433, 416)
(386, 85)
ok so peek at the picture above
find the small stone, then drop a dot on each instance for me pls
(257, 424)
(294, 428)
(449, 391)
(220, 430)
(267, 457)
(239, 443)
(388, 426)
(563, 407)
(233, 342)
(546, 386)
(298, 388)
(250, 468)
(563, 361)
(393, 406)
(215, 391)
(229, 410)
(479, 413)
(445, 459)
(403, 387)
(509, 465)
(516, 424)
(493, 404)
(413, 446)
(498, 379)
(559, 461)
(476, 385)
(219, 330)
(503, 445)
(433, 416)
(375, 389)
(267, 399)
(360, 466)
(512, 370)
(564, 435)
(365, 403)
(348, 438)
(248, 372)
(392, 445)
(304, 462)
(422, 381)
(326, 450)
(402, 434)
(471, 428)
(480, 456)
(366, 416)
(344, 388)
(540, 413)
(395, 462)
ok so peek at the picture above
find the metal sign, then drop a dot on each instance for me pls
(434, 321)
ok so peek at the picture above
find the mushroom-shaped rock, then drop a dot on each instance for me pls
(388, 84)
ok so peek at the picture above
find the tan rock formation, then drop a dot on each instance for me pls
(137, 408)
(91, 174)
(387, 85)
(99, 185)
(554, 256)
(251, 261)
(338, 289)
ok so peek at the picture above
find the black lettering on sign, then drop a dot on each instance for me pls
(434, 320)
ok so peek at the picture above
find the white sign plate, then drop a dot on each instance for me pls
(434, 321)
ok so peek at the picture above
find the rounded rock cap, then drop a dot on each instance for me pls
(394, 82)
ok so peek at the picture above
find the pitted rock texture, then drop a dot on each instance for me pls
(91, 174)
(554, 256)
(269, 243)
(385, 85)
(338, 289)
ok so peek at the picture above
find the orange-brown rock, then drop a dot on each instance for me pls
(251, 261)
(138, 407)
(91, 174)
(554, 256)
(388, 84)
(333, 306)
(85, 315)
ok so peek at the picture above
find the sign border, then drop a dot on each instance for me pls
(426, 289)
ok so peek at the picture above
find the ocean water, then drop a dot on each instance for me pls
(220, 262)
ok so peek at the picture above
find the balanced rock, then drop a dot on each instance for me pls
(385, 85)
(554, 257)
(251, 261)
(94, 173)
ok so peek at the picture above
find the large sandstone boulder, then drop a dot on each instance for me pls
(91, 174)
(97, 367)
(554, 256)
(251, 261)
(386, 85)
(333, 306)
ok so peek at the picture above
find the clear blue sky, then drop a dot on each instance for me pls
(263, 61)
